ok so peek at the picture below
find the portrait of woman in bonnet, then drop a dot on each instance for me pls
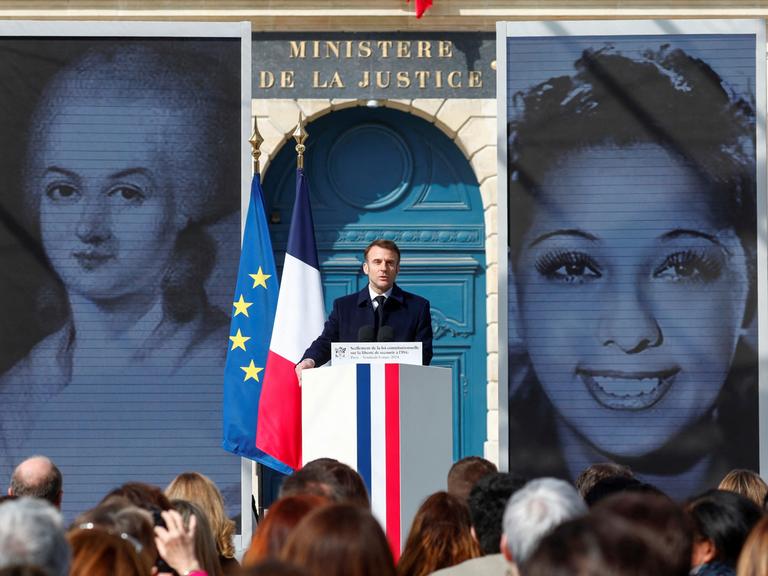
(632, 242)
(132, 162)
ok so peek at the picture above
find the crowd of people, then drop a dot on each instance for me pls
(486, 522)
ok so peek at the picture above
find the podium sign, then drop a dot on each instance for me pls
(392, 423)
(376, 353)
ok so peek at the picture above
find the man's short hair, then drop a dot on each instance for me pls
(31, 533)
(465, 473)
(487, 501)
(314, 478)
(535, 510)
(598, 545)
(47, 487)
(616, 485)
(655, 519)
(591, 475)
(381, 243)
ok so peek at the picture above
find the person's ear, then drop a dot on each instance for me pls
(365, 267)
(474, 534)
(10, 491)
(505, 550)
(703, 552)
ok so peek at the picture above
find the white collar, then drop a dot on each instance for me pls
(373, 294)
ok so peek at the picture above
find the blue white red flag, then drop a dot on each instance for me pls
(298, 321)
(253, 314)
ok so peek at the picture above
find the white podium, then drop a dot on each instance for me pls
(393, 423)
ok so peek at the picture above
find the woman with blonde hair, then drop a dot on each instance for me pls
(746, 483)
(753, 560)
(202, 491)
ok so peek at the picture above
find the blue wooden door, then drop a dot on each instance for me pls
(381, 173)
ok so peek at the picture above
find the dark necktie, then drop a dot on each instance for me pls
(379, 311)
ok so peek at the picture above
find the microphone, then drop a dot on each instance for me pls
(366, 334)
(386, 334)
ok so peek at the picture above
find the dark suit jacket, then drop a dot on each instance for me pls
(407, 314)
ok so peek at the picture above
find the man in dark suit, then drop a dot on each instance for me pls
(380, 311)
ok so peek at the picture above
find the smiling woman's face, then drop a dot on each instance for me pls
(101, 173)
(632, 290)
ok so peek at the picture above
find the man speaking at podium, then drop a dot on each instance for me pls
(380, 312)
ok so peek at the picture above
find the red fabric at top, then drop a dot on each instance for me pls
(421, 7)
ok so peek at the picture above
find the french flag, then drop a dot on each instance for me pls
(299, 319)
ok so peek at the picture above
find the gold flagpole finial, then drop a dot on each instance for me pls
(256, 140)
(300, 135)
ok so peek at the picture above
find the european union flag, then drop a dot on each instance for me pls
(253, 314)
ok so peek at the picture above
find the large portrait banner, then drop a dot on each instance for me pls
(632, 277)
(124, 162)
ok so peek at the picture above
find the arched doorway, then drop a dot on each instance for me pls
(378, 172)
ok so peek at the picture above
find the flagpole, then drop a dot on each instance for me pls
(256, 140)
(300, 135)
(247, 489)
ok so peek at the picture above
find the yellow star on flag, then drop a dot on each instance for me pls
(251, 371)
(260, 279)
(238, 340)
(241, 306)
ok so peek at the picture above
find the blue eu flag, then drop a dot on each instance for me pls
(253, 314)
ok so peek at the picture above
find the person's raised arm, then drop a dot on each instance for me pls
(176, 544)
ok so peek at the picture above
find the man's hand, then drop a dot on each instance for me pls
(306, 363)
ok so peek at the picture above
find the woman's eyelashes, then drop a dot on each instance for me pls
(128, 194)
(568, 266)
(59, 192)
(690, 266)
(122, 193)
(575, 267)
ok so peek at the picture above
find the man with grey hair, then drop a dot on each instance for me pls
(39, 477)
(32, 534)
(534, 511)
